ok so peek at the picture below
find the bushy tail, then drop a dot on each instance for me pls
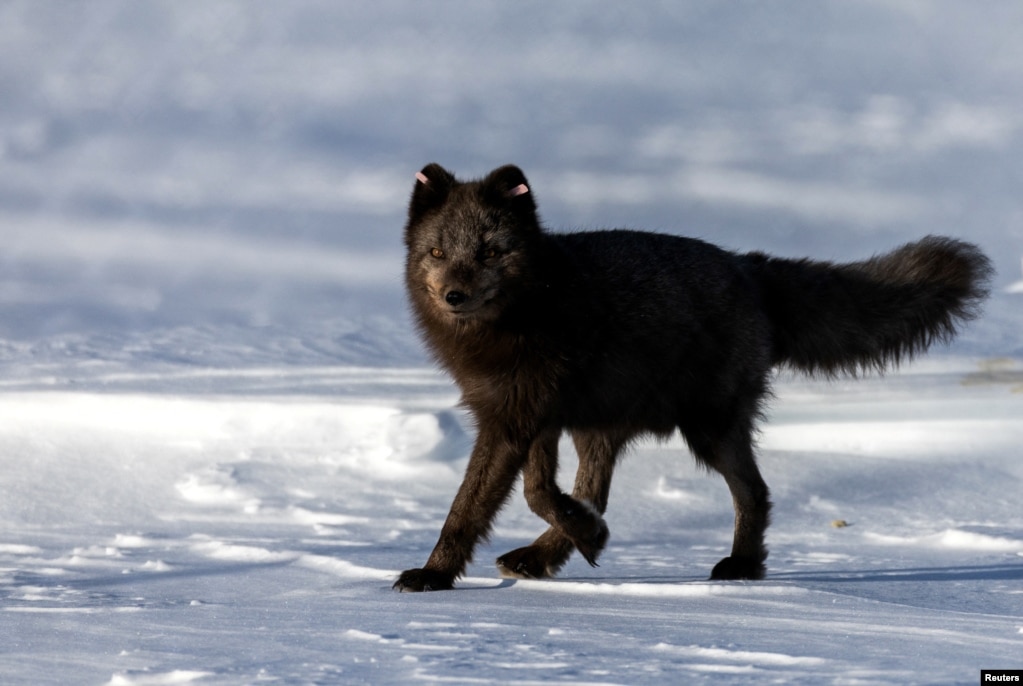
(833, 318)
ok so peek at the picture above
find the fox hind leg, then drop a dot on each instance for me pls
(733, 458)
(598, 453)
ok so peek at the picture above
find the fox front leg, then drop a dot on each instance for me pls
(598, 454)
(489, 477)
(574, 522)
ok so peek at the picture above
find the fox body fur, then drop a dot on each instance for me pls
(613, 335)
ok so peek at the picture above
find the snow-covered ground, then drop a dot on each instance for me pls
(220, 440)
(251, 535)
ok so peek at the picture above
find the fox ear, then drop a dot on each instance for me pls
(507, 186)
(433, 184)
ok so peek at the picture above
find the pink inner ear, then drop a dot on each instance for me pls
(521, 189)
(421, 177)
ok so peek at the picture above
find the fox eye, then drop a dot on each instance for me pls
(489, 253)
(437, 252)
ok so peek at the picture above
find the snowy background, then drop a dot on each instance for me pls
(220, 439)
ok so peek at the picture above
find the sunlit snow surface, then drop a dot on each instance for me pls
(237, 537)
(220, 439)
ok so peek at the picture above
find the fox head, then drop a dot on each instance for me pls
(471, 245)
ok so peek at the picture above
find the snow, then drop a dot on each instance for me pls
(220, 440)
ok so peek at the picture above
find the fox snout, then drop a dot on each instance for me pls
(454, 287)
(462, 291)
(455, 297)
(458, 297)
(453, 290)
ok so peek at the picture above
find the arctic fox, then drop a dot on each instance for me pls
(613, 335)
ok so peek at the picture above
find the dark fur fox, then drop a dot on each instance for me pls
(612, 335)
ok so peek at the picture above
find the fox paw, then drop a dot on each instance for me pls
(416, 580)
(582, 524)
(524, 563)
(736, 567)
(592, 543)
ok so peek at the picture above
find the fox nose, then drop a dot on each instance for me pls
(455, 298)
